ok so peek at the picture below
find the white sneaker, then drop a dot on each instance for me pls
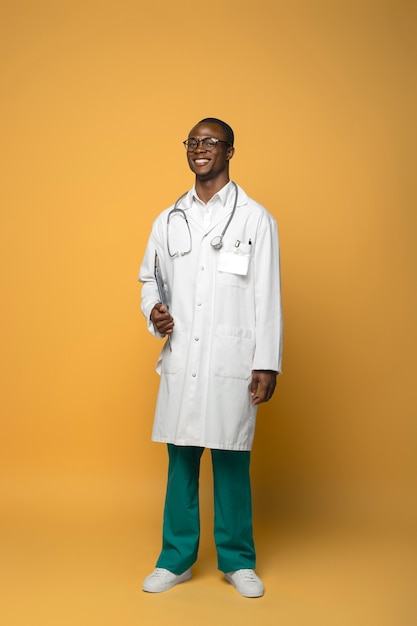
(162, 579)
(246, 582)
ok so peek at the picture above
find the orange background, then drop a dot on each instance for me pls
(96, 98)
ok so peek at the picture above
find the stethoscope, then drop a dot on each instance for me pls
(216, 242)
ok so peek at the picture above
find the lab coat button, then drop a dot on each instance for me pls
(196, 338)
(193, 374)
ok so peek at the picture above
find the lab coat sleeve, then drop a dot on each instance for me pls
(149, 293)
(268, 308)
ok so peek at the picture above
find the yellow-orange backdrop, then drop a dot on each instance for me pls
(96, 99)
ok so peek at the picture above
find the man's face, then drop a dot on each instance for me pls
(208, 165)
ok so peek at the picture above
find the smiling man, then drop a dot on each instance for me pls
(211, 166)
(218, 253)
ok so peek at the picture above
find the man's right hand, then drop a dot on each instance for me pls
(162, 319)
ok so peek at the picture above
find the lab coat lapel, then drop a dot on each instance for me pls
(219, 220)
(220, 217)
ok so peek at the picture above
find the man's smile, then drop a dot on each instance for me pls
(201, 161)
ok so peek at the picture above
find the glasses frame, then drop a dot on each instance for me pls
(214, 139)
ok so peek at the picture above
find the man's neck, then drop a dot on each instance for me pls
(206, 189)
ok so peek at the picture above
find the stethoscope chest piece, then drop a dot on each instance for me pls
(217, 242)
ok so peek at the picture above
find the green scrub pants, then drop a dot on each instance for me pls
(232, 510)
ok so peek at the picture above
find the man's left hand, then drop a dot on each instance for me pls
(263, 385)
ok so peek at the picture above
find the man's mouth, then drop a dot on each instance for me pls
(201, 161)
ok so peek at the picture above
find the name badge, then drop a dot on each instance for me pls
(234, 257)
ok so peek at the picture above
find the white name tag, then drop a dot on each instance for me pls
(234, 257)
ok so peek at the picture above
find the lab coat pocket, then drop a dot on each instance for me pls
(171, 362)
(233, 350)
(234, 263)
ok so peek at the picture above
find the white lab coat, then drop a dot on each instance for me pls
(226, 323)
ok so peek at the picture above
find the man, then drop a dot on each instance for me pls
(218, 254)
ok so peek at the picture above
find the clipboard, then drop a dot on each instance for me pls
(160, 284)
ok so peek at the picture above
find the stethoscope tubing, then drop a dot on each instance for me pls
(217, 241)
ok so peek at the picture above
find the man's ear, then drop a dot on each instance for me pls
(230, 152)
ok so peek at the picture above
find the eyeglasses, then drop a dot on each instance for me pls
(208, 143)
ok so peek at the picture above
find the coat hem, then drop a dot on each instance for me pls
(200, 444)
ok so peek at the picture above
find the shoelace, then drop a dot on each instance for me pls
(158, 572)
(247, 576)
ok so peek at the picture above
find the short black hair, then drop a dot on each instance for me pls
(230, 136)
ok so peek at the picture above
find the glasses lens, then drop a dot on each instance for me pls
(191, 144)
(209, 143)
